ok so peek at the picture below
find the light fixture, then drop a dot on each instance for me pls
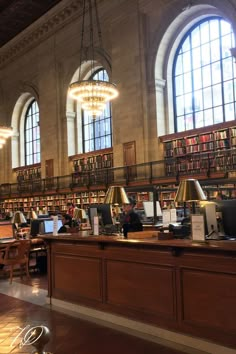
(116, 195)
(31, 215)
(190, 190)
(5, 133)
(93, 94)
(18, 218)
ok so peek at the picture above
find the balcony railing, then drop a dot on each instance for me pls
(206, 166)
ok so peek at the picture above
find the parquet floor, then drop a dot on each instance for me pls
(67, 334)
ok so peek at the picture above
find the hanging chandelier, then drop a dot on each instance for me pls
(93, 94)
(5, 133)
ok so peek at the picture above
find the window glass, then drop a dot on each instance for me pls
(32, 134)
(97, 132)
(204, 75)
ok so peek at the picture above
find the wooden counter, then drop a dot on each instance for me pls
(180, 285)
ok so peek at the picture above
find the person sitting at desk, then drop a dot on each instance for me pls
(67, 223)
(131, 221)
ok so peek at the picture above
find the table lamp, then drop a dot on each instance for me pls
(31, 215)
(18, 218)
(116, 195)
(190, 190)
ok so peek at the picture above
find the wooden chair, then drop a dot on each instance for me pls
(16, 253)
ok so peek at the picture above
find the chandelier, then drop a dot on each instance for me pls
(5, 133)
(93, 94)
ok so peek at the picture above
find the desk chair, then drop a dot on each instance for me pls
(16, 253)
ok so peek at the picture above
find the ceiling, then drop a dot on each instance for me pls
(16, 15)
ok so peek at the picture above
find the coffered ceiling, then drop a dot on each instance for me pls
(16, 15)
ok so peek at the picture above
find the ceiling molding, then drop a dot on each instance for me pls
(41, 29)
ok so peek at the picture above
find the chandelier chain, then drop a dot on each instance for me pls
(91, 35)
(82, 39)
(93, 94)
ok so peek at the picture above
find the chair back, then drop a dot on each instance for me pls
(17, 251)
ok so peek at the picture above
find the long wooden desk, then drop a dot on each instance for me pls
(179, 285)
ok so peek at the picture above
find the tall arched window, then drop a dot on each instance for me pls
(32, 134)
(97, 132)
(204, 83)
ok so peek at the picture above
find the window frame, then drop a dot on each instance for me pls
(94, 123)
(233, 78)
(32, 141)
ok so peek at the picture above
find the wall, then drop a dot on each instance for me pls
(43, 59)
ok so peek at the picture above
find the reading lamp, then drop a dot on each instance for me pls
(80, 215)
(190, 190)
(31, 215)
(116, 195)
(18, 218)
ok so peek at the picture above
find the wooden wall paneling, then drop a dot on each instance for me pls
(143, 288)
(207, 299)
(75, 274)
(189, 290)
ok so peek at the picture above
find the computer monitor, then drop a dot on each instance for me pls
(48, 225)
(208, 209)
(227, 209)
(149, 209)
(42, 226)
(103, 211)
(36, 227)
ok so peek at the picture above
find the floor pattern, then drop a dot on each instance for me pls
(23, 307)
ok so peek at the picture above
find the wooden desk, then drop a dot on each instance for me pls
(178, 285)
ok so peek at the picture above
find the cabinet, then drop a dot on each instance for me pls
(200, 150)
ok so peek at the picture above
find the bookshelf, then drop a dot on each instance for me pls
(51, 203)
(84, 163)
(24, 174)
(140, 197)
(200, 150)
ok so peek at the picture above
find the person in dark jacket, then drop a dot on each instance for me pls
(67, 223)
(131, 220)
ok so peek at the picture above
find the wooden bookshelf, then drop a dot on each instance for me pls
(200, 150)
(28, 173)
(52, 203)
(94, 164)
(90, 162)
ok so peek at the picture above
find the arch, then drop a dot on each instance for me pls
(17, 123)
(165, 56)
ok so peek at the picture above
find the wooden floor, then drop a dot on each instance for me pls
(68, 334)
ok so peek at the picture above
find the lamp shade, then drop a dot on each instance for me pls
(18, 218)
(31, 215)
(79, 214)
(189, 190)
(116, 195)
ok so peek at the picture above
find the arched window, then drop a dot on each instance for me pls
(32, 134)
(97, 132)
(204, 85)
